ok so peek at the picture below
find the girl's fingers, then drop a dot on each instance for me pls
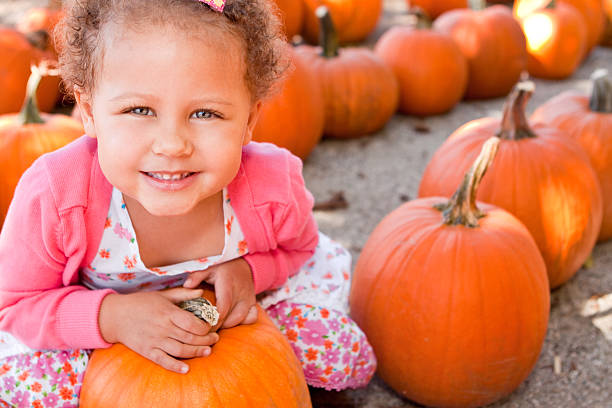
(162, 359)
(251, 316)
(195, 278)
(194, 340)
(176, 295)
(188, 322)
(177, 349)
(223, 293)
(237, 315)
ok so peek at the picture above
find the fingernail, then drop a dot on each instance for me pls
(205, 352)
(184, 369)
(188, 282)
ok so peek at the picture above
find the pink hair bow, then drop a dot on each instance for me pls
(215, 4)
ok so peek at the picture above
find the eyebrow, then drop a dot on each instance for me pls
(131, 95)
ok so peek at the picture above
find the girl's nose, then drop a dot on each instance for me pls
(172, 141)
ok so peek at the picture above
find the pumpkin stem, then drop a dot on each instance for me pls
(477, 4)
(514, 125)
(601, 97)
(29, 111)
(421, 20)
(461, 209)
(328, 36)
(552, 4)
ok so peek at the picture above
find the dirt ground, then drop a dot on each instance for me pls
(378, 173)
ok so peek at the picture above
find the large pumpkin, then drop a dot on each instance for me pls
(360, 91)
(588, 120)
(556, 40)
(354, 19)
(539, 175)
(294, 117)
(292, 15)
(493, 44)
(431, 70)
(26, 136)
(251, 366)
(433, 8)
(453, 298)
(17, 55)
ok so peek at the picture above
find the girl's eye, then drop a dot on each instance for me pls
(205, 114)
(139, 110)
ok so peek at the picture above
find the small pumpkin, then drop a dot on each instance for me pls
(591, 11)
(354, 19)
(250, 366)
(539, 175)
(26, 136)
(292, 15)
(556, 40)
(493, 44)
(17, 57)
(588, 120)
(433, 8)
(431, 70)
(360, 91)
(453, 296)
(294, 117)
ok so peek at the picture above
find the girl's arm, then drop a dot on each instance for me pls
(295, 233)
(41, 251)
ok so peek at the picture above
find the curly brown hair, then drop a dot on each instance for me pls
(254, 23)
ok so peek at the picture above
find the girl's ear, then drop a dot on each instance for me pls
(84, 106)
(252, 121)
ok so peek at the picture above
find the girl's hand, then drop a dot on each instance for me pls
(234, 289)
(152, 325)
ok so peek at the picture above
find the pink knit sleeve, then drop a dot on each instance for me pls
(40, 302)
(296, 235)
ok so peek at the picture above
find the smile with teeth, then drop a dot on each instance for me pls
(167, 176)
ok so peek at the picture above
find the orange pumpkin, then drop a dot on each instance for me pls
(433, 8)
(250, 366)
(26, 136)
(493, 44)
(591, 11)
(430, 68)
(354, 19)
(454, 298)
(360, 91)
(17, 56)
(588, 121)
(541, 176)
(556, 40)
(294, 118)
(292, 15)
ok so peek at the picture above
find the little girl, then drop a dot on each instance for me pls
(164, 192)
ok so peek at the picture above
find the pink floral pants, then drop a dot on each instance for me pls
(334, 353)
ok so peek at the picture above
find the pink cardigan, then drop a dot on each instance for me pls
(55, 223)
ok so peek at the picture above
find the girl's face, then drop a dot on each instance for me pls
(171, 112)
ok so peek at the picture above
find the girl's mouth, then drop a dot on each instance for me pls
(169, 176)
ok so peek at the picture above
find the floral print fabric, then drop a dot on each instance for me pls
(333, 350)
(43, 379)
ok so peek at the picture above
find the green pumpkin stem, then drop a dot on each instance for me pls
(328, 34)
(461, 209)
(601, 97)
(514, 124)
(29, 111)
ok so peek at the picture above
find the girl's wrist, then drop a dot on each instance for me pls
(106, 317)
